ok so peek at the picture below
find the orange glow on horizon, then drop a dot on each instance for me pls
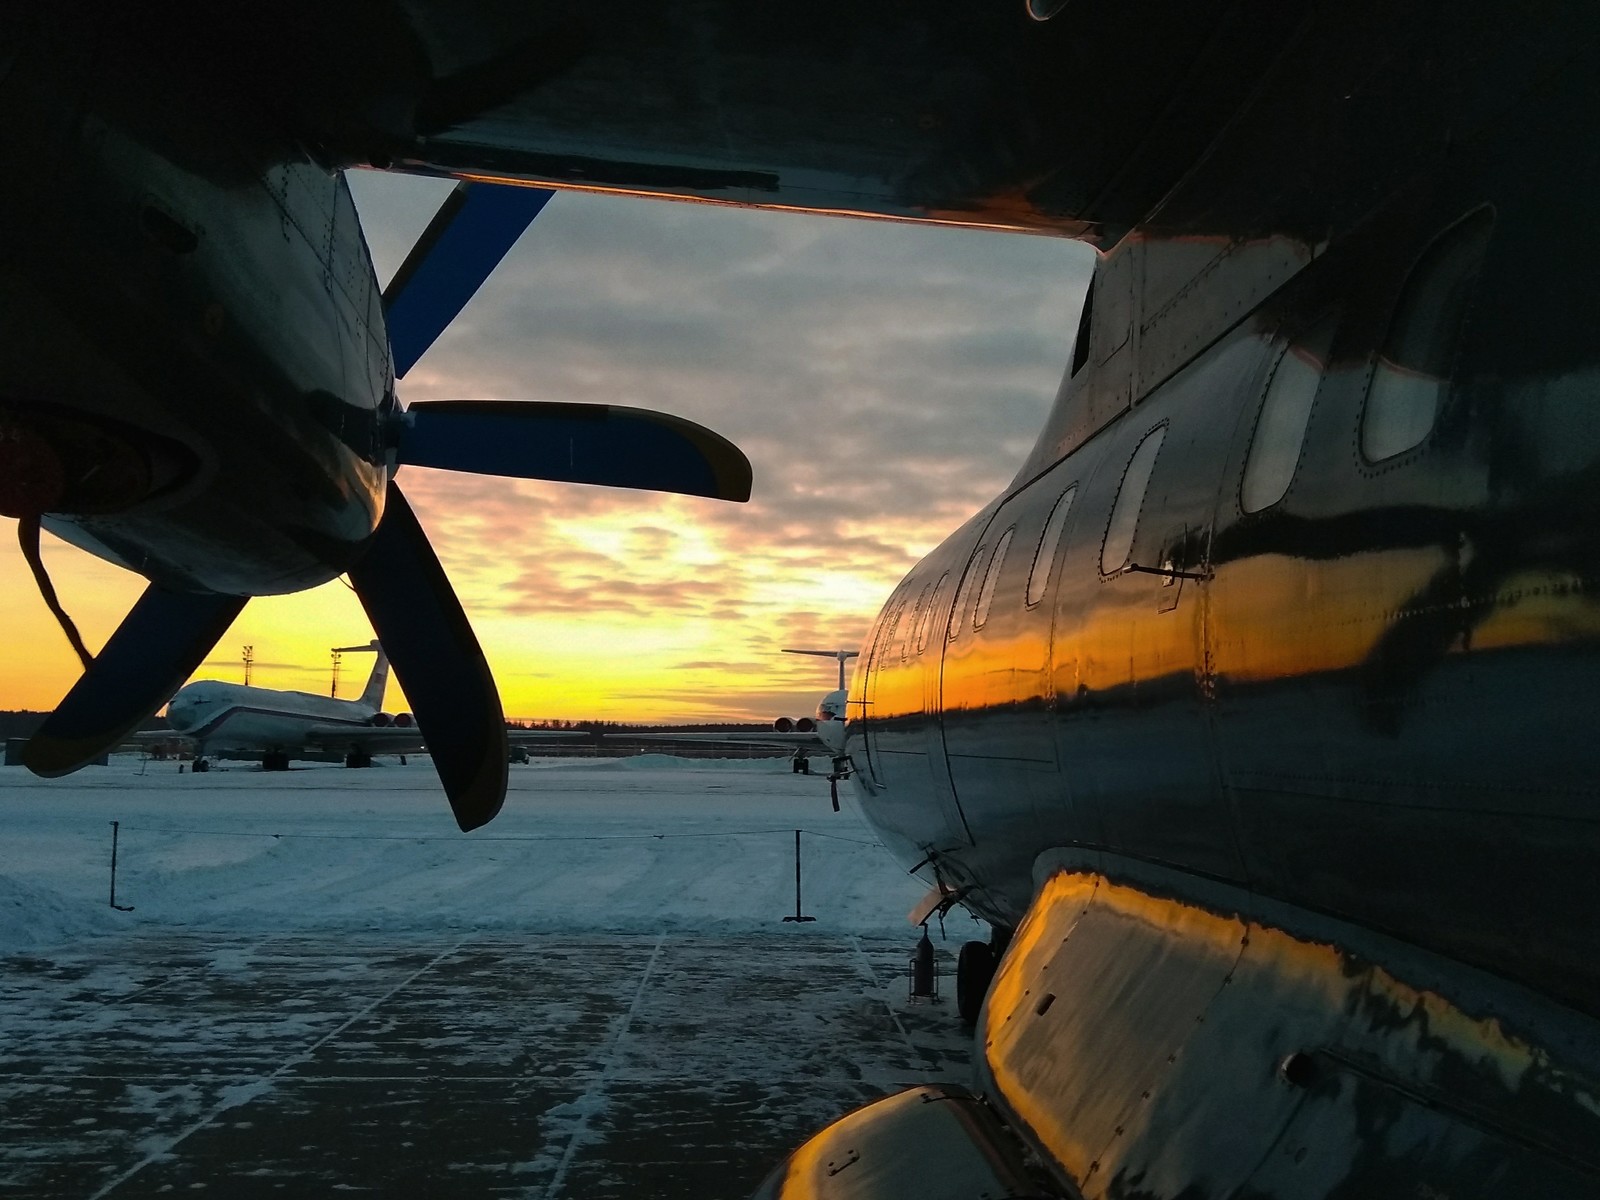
(631, 611)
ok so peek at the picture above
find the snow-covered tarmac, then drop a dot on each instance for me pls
(323, 986)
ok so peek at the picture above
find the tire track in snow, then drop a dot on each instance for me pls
(918, 1058)
(590, 1100)
(243, 1093)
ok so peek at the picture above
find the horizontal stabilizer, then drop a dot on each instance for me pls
(160, 643)
(574, 443)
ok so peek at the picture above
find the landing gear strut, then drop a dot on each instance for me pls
(842, 767)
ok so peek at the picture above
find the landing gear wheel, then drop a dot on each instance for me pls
(358, 758)
(274, 760)
(199, 766)
(974, 972)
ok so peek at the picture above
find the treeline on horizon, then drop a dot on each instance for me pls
(22, 722)
(635, 727)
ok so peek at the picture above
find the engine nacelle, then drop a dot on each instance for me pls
(382, 719)
(404, 720)
(804, 725)
(783, 725)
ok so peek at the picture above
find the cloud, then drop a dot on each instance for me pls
(886, 380)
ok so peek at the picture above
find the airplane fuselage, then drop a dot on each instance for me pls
(1363, 697)
(1257, 706)
(221, 717)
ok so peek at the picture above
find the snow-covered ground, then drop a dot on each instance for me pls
(324, 986)
(631, 845)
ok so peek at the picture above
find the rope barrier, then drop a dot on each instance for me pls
(459, 840)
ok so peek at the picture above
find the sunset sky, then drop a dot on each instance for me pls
(884, 379)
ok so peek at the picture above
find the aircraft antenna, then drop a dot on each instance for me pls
(333, 688)
(249, 661)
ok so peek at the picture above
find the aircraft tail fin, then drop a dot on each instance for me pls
(378, 681)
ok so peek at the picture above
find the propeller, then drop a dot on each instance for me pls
(473, 230)
(433, 652)
(574, 443)
(398, 579)
(159, 644)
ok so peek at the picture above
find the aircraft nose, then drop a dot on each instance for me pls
(180, 715)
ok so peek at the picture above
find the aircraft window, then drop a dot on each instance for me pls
(1285, 413)
(1419, 351)
(913, 629)
(964, 592)
(888, 629)
(934, 607)
(1044, 558)
(990, 578)
(1130, 500)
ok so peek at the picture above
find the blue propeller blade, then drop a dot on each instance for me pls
(575, 443)
(158, 646)
(437, 659)
(465, 241)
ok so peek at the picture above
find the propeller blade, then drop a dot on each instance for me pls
(160, 643)
(469, 235)
(437, 659)
(574, 443)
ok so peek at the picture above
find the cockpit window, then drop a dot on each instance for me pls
(1130, 501)
(1285, 413)
(1045, 556)
(991, 577)
(1418, 354)
(964, 592)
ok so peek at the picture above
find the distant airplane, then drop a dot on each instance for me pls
(224, 719)
(825, 730)
(229, 719)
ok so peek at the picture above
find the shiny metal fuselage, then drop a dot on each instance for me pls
(1371, 699)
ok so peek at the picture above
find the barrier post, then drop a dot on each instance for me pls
(119, 907)
(798, 911)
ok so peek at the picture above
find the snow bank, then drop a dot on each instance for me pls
(38, 916)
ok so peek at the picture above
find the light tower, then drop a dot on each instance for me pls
(333, 688)
(249, 660)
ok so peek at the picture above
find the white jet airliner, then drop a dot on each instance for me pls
(230, 718)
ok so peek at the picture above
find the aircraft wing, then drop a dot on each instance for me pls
(144, 738)
(789, 741)
(1013, 115)
(1081, 119)
(394, 739)
(534, 737)
(375, 739)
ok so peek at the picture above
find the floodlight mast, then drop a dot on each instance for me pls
(338, 653)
